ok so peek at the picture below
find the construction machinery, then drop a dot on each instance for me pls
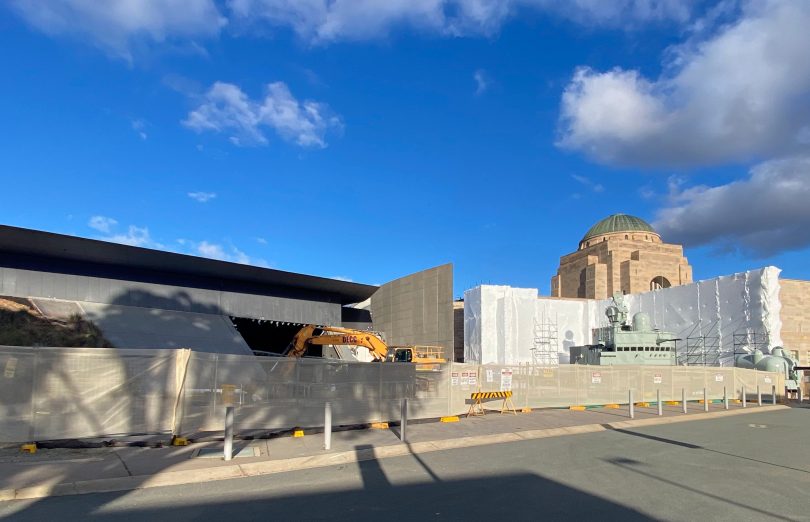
(426, 357)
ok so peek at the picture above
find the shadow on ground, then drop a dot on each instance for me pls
(520, 496)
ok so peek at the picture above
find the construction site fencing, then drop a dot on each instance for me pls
(64, 393)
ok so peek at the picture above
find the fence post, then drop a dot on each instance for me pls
(403, 416)
(759, 396)
(660, 405)
(801, 393)
(228, 432)
(327, 426)
(773, 394)
(683, 399)
(744, 398)
(725, 398)
(630, 400)
(705, 400)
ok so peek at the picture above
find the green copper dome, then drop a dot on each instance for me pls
(618, 223)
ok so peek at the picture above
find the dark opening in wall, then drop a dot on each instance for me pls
(266, 336)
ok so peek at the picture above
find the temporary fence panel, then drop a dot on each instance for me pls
(273, 393)
(85, 392)
(50, 393)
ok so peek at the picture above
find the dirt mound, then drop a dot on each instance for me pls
(21, 324)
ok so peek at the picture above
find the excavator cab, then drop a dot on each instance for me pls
(402, 355)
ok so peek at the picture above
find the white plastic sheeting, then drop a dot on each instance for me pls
(503, 324)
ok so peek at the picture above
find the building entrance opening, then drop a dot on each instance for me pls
(659, 282)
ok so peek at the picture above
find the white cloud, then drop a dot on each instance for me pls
(763, 214)
(202, 197)
(226, 108)
(733, 96)
(222, 253)
(135, 236)
(587, 182)
(139, 126)
(102, 223)
(481, 81)
(261, 240)
(115, 24)
(322, 21)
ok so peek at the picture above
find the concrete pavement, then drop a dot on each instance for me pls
(66, 472)
(740, 467)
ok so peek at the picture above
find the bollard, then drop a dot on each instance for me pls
(683, 399)
(801, 394)
(228, 432)
(327, 426)
(725, 398)
(630, 399)
(745, 399)
(759, 396)
(403, 420)
(773, 394)
(660, 404)
(705, 400)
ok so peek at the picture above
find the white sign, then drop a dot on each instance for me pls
(454, 379)
(658, 378)
(490, 376)
(465, 378)
(718, 377)
(506, 379)
(767, 380)
(473, 379)
(596, 378)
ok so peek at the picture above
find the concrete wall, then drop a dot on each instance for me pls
(417, 309)
(17, 282)
(795, 298)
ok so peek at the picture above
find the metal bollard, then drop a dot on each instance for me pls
(744, 398)
(327, 426)
(683, 399)
(705, 400)
(403, 420)
(773, 394)
(630, 401)
(660, 404)
(759, 396)
(725, 398)
(228, 432)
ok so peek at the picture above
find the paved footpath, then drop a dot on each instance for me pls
(730, 468)
(59, 472)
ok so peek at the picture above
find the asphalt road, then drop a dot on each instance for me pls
(746, 467)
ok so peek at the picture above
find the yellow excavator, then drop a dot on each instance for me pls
(313, 335)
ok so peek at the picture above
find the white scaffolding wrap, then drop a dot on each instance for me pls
(500, 322)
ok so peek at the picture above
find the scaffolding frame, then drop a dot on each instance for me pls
(750, 339)
(545, 347)
(702, 349)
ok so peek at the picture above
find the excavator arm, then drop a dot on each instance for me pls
(335, 335)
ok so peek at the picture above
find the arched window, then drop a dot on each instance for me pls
(659, 282)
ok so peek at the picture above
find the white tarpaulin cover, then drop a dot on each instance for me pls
(503, 325)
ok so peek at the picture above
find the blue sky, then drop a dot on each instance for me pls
(368, 140)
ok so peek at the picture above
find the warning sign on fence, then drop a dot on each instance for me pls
(465, 378)
(454, 379)
(596, 378)
(473, 379)
(658, 378)
(506, 379)
(718, 377)
(767, 380)
(490, 376)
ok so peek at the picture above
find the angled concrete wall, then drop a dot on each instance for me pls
(417, 309)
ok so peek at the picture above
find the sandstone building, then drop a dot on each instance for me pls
(621, 253)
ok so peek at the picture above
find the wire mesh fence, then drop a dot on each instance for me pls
(59, 393)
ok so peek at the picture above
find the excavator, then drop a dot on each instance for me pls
(427, 358)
